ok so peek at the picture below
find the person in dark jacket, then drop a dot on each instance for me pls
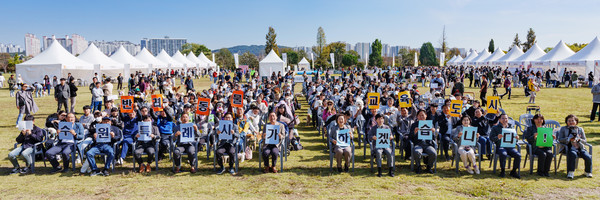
(502, 152)
(62, 94)
(483, 129)
(64, 147)
(573, 137)
(73, 93)
(146, 146)
(372, 136)
(227, 146)
(422, 146)
(446, 123)
(544, 154)
(189, 84)
(185, 147)
(27, 138)
(106, 148)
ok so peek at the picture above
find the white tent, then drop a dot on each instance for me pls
(469, 57)
(204, 59)
(54, 61)
(457, 60)
(271, 63)
(130, 63)
(482, 56)
(498, 53)
(584, 59)
(195, 60)
(182, 59)
(102, 63)
(163, 56)
(524, 60)
(303, 65)
(145, 56)
(514, 53)
(449, 62)
(550, 60)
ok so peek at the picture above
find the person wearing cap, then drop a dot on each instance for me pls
(87, 118)
(107, 90)
(105, 148)
(62, 94)
(97, 94)
(64, 147)
(25, 102)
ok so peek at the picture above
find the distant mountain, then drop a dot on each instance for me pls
(254, 49)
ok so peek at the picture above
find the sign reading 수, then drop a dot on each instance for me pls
(425, 132)
(203, 106)
(373, 100)
(492, 104)
(469, 136)
(65, 128)
(126, 104)
(272, 134)
(157, 102)
(404, 99)
(237, 99)
(383, 138)
(456, 108)
(509, 138)
(343, 138)
(103, 133)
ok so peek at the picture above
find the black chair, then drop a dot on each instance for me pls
(174, 145)
(156, 150)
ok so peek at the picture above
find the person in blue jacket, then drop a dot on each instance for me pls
(64, 147)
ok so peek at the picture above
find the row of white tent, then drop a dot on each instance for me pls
(560, 57)
(57, 61)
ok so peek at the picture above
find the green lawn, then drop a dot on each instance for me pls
(306, 173)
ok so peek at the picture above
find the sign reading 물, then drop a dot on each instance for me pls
(272, 134)
(103, 133)
(373, 100)
(343, 138)
(203, 106)
(469, 136)
(404, 99)
(187, 133)
(456, 108)
(226, 128)
(383, 138)
(126, 104)
(425, 132)
(157, 102)
(237, 99)
(544, 137)
(492, 104)
(509, 138)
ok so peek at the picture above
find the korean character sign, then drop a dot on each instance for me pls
(226, 128)
(544, 137)
(103, 133)
(126, 104)
(404, 99)
(237, 99)
(373, 100)
(425, 132)
(203, 107)
(456, 108)
(509, 138)
(187, 133)
(272, 134)
(492, 104)
(469, 136)
(343, 138)
(25, 125)
(145, 130)
(65, 131)
(383, 138)
(157, 102)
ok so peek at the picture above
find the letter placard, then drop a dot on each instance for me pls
(103, 133)
(157, 102)
(65, 128)
(226, 128)
(237, 99)
(145, 130)
(187, 133)
(373, 100)
(343, 138)
(456, 108)
(383, 138)
(544, 137)
(203, 106)
(425, 132)
(469, 136)
(492, 104)
(272, 134)
(126, 104)
(404, 99)
(509, 138)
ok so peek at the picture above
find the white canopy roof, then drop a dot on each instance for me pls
(451, 60)
(457, 60)
(56, 54)
(271, 63)
(532, 54)
(303, 64)
(122, 56)
(145, 56)
(584, 58)
(469, 57)
(163, 56)
(182, 59)
(498, 53)
(203, 58)
(94, 56)
(482, 56)
(514, 53)
(303, 61)
(559, 52)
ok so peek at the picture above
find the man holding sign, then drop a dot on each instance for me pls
(505, 137)
(146, 135)
(27, 138)
(381, 138)
(228, 133)
(341, 138)
(269, 148)
(427, 146)
(186, 136)
(69, 132)
(541, 140)
(157, 102)
(101, 145)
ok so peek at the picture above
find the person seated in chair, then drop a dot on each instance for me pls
(574, 137)
(496, 137)
(467, 153)
(544, 154)
(64, 147)
(27, 138)
(146, 146)
(272, 150)
(103, 148)
(341, 152)
(227, 146)
(422, 146)
(184, 147)
(378, 151)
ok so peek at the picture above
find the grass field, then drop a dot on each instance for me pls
(306, 173)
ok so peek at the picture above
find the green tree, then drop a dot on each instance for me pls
(375, 58)
(406, 57)
(303, 54)
(13, 62)
(321, 50)
(338, 49)
(516, 42)
(427, 55)
(491, 47)
(271, 41)
(249, 59)
(454, 52)
(530, 40)
(349, 60)
(548, 49)
(576, 47)
(196, 48)
(4, 58)
(225, 59)
(292, 56)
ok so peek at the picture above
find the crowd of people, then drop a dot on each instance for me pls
(381, 109)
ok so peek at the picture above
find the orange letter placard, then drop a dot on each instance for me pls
(203, 106)
(237, 99)
(126, 104)
(157, 103)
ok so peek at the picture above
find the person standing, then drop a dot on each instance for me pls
(73, 92)
(595, 101)
(62, 94)
(507, 88)
(25, 103)
(119, 82)
(12, 83)
(2, 80)
(107, 90)
(97, 97)
(590, 79)
(483, 90)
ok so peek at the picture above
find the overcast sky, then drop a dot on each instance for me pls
(217, 24)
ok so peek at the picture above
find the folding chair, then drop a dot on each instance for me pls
(393, 146)
(529, 147)
(412, 158)
(563, 151)
(332, 154)
(144, 153)
(456, 155)
(38, 149)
